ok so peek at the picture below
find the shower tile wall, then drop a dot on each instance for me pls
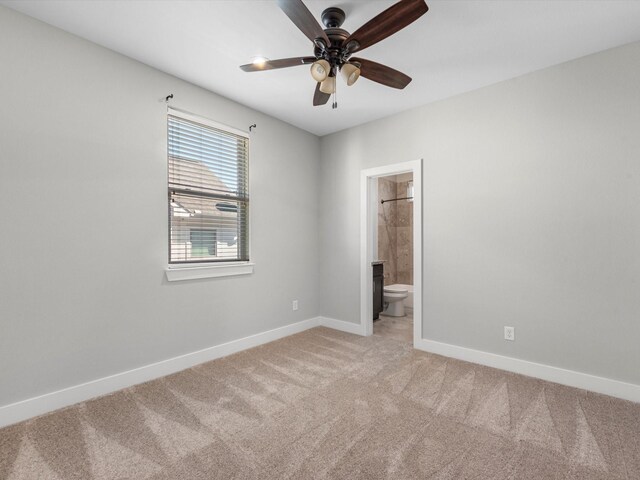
(387, 228)
(395, 233)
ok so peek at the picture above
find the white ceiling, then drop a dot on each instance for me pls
(459, 45)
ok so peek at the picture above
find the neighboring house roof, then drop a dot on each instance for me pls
(198, 174)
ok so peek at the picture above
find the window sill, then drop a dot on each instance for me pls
(178, 273)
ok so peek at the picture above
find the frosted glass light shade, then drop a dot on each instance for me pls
(329, 85)
(320, 70)
(350, 73)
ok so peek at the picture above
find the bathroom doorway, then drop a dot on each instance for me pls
(393, 254)
(391, 241)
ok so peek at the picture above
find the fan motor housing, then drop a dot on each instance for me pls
(333, 18)
(337, 36)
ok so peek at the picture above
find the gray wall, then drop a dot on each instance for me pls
(83, 243)
(531, 214)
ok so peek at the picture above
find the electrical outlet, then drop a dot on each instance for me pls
(294, 305)
(509, 333)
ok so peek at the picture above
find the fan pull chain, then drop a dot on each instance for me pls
(334, 105)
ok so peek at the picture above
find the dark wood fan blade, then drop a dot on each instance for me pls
(300, 15)
(280, 63)
(320, 98)
(381, 73)
(387, 23)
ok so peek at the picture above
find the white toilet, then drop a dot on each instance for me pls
(394, 300)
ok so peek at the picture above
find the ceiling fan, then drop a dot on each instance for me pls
(333, 46)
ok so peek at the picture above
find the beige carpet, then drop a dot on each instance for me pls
(326, 404)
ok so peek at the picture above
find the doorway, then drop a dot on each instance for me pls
(369, 238)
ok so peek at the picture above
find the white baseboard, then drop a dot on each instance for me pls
(341, 325)
(614, 388)
(32, 407)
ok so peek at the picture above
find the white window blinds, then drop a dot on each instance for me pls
(208, 192)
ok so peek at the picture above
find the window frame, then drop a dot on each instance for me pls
(205, 269)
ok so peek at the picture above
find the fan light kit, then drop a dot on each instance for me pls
(350, 73)
(320, 70)
(334, 46)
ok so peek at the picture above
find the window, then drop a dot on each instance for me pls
(208, 191)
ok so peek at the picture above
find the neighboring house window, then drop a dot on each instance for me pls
(208, 191)
(203, 243)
